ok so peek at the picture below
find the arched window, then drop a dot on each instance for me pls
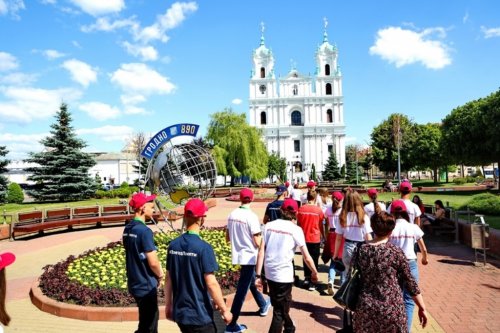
(329, 116)
(296, 118)
(295, 89)
(327, 70)
(328, 88)
(262, 72)
(263, 118)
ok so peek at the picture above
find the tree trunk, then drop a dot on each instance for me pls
(435, 176)
(447, 179)
(463, 170)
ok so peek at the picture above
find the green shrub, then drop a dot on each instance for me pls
(124, 185)
(485, 203)
(15, 193)
(99, 194)
(459, 181)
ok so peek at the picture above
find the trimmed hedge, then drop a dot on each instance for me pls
(485, 203)
(122, 192)
(15, 194)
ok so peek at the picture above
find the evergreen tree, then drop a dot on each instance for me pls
(62, 173)
(350, 172)
(3, 169)
(15, 194)
(331, 171)
(313, 173)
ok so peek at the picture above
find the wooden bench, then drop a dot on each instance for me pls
(85, 211)
(29, 218)
(57, 214)
(115, 209)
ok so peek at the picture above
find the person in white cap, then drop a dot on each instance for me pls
(144, 271)
(6, 259)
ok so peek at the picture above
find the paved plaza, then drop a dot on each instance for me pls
(460, 296)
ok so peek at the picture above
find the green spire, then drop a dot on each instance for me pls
(325, 34)
(262, 28)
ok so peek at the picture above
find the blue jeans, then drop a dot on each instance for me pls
(246, 281)
(332, 273)
(349, 248)
(409, 304)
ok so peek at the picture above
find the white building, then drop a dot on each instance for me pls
(302, 117)
(113, 168)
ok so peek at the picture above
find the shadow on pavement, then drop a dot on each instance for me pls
(319, 314)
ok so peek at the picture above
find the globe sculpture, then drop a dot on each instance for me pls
(182, 171)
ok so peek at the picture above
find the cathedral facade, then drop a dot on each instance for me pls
(301, 116)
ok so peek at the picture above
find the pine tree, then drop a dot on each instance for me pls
(331, 171)
(62, 173)
(3, 169)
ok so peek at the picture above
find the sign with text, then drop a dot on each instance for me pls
(165, 135)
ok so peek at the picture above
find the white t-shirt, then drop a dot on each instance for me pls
(353, 231)
(411, 208)
(290, 189)
(404, 236)
(242, 225)
(296, 194)
(370, 208)
(281, 237)
(333, 218)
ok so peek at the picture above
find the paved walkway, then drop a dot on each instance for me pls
(460, 296)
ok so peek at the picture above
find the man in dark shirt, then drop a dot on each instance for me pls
(144, 270)
(190, 281)
(273, 208)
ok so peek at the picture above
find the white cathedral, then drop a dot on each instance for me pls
(301, 116)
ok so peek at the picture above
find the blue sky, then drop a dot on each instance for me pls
(124, 66)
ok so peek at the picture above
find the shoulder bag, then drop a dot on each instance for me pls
(348, 294)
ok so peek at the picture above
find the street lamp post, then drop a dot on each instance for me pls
(356, 152)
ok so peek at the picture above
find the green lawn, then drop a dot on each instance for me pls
(16, 208)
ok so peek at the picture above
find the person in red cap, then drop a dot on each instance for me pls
(6, 259)
(280, 238)
(311, 186)
(370, 207)
(310, 218)
(404, 236)
(144, 271)
(333, 216)
(412, 209)
(245, 234)
(190, 280)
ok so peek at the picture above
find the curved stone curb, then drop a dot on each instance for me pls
(255, 199)
(90, 313)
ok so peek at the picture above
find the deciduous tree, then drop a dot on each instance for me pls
(3, 169)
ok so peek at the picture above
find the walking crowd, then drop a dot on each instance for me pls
(376, 241)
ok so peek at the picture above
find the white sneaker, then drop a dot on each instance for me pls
(330, 288)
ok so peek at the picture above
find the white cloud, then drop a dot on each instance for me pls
(146, 53)
(490, 32)
(139, 78)
(172, 18)
(26, 104)
(48, 2)
(108, 132)
(12, 7)
(99, 7)
(52, 54)
(236, 101)
(18, 79)
(19, 145)
(404, 47)
(104, 24)
(100, 111)
(465, 19)
(7, 61)
(132, 99)
(76, 44)
(131, 109)
(80, 72)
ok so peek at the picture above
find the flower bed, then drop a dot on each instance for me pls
(97, 277)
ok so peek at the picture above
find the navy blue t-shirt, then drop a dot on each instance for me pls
(188, 259)
(137, 240)
(273, 210)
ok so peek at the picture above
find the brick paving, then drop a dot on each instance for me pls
(460, 296)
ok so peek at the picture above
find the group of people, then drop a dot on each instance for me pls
(380, 241)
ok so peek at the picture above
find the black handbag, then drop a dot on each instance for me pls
(348, 293)
(347, 323)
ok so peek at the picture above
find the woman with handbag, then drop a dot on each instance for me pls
(384, 268)
(333, 216)
(354, 227)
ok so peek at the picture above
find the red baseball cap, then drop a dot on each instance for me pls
(195, 208)
(246, 194)
(311, 183)
(398, 206)
(372, 192)
(6, 259)
(287, 183)
(140, 199)
(405, 186)
(338, 195)
(290, 205)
